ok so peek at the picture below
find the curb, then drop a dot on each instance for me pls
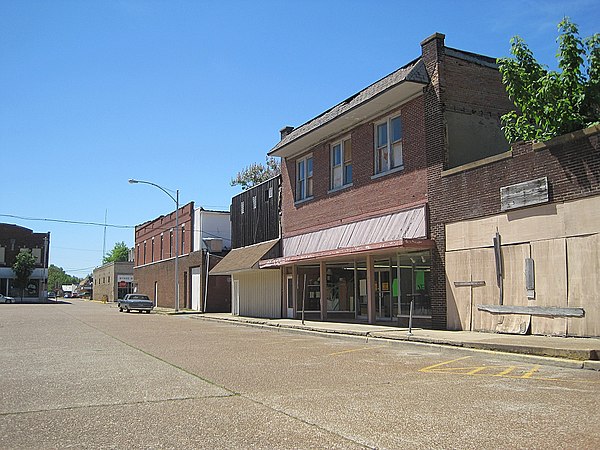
(566, 358)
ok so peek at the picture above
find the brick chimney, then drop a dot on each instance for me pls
(285, 131)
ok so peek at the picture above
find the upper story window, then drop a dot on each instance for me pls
(341, 163)
(304, 178)
(182, 239)
(388, 145)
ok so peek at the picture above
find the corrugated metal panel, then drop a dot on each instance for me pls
(408, 224)
(260, 293)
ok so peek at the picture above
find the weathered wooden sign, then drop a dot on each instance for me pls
(528, 193)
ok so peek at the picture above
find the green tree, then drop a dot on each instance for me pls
(57, 277)
(256, 173)
(23, 268)
(550, 103)
(120, 252)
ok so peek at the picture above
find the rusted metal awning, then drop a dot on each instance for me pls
(403, 229)
(328, 254)
(243, 259)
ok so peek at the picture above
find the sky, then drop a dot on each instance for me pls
(187, 93)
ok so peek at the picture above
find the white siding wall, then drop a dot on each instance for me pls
(211, 224)
(260, 293)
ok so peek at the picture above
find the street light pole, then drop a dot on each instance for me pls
(176, 200)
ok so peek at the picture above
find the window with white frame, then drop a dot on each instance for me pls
(388, 145)
(304, 178)
(341, 163)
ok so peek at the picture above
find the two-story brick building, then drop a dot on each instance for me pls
(13, 240)
(201, 232)
(359, 239)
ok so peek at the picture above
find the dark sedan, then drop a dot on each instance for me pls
(136, 302)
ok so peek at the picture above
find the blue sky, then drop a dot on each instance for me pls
(186, 93)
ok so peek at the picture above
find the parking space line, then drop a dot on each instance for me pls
(356, 350)
(430, 368)
(506, 371)
(530, 373)
(525, 372)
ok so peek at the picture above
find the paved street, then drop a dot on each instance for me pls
(85, 375)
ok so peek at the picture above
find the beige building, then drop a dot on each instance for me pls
(113, 281)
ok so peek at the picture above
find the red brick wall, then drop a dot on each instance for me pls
(474, 87)
(219, 290)
(572, 168)
(366, 197)
(432, 50)
(164, 224)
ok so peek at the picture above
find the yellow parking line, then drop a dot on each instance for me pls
(506, 371)
(474, 371)
(355, 350)
(530, 373)
(426, 369)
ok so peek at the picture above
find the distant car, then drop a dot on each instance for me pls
(67, 295)
(135, 302)
(74, 295)
(51, 295)
(5, 299)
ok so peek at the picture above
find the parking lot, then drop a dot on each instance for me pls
(84, 375)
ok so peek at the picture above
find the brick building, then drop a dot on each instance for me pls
(14, 240)
(201, 232)
(360, 239)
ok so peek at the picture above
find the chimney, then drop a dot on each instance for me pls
(285, 131)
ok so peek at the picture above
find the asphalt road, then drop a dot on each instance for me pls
(84, 375)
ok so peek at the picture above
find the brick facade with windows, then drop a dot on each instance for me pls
(13, 240)
(366, 197)
(154, 271)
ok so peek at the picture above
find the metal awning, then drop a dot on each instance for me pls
(380, 247)
(243, 259)
(403, 229)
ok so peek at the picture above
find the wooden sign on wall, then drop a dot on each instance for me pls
(528, 193)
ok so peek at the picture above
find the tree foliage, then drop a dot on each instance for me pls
(256, 173)
(120, 252)
(23, 268)
(57, 277)
(550, 103)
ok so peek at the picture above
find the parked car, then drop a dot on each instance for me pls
(51, 295)
(135, 302)
(5, 299)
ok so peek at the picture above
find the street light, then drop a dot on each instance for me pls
(176, 200)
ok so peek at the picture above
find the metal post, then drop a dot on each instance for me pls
(412, 302)
(207, 274)
(412, 298)
(303, 297)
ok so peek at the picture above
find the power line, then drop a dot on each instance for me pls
(75, 222)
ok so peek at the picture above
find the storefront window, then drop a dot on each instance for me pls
(415, 282)
(309, 288)
(340, 287)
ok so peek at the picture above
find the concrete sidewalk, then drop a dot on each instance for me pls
(564, 351)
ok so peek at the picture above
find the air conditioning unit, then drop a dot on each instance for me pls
(214, 245)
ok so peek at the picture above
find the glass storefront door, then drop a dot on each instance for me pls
(383, 290)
